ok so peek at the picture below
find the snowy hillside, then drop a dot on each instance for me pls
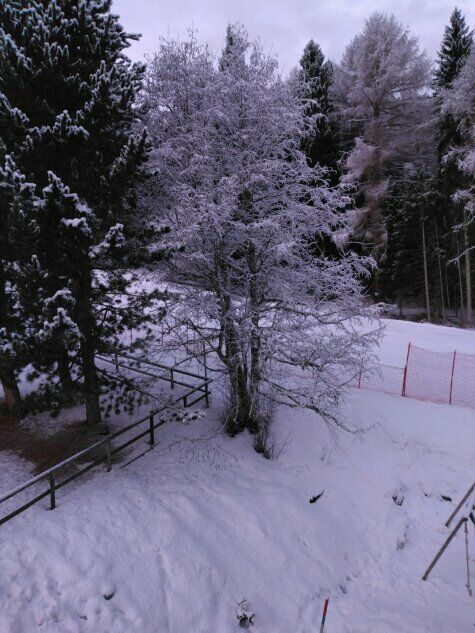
(173, 541)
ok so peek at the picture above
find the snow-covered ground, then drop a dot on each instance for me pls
(172, 542)
(438, 338)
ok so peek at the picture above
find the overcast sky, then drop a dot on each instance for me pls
(284, 26)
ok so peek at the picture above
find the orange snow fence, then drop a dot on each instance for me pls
(442, 377)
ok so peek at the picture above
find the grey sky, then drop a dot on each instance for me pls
(284, 26)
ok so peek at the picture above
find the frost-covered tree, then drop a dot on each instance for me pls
(454, 50)
(411, 214)
(453, 54)
(17, 202)
(382, 80)
(459, 102)
(67, 120)
(313, 84)
(237, 200)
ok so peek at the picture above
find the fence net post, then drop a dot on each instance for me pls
(405, 370)
(452, 378)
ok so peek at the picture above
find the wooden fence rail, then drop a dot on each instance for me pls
(104, 447)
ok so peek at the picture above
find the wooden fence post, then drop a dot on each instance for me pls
(52, 492)
(452, 378)
(204, 360)
(152, 432)
(172, 383)
(205, 365)
(108, 456)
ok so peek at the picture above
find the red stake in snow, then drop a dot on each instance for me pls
(324, 617)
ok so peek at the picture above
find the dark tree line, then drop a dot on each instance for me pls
(380, 122)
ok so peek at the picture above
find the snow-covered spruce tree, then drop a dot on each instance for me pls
(409, 203)
(459, 102)
(16, 204)
(43, 327)
(313, 83)
(67, 118)
(453, 54)
(382, 79)
(454, 50)
(239, 200)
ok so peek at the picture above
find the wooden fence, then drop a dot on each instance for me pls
(105, 447)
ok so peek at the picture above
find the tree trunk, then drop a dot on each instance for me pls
(7, 373)
(440, 273)
(85, 321)
(374, 192)
(255, 376)
(240, 415)
(10, 389)
(468, 275)
(462, 309)
(64, 373)
(241, 402)
(400, 305)
(426, 277)
(91, 382)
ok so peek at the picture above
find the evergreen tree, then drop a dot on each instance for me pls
(321, 140)
(453, 54)
(459, 102)
(234, 51)
(68, 120)
(407, 206)
(15, 197)
(454, 50)
(452, 137)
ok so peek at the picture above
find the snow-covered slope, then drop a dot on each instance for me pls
(172, 542)
(437, 338)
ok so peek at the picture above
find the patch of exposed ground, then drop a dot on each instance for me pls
(40, 447)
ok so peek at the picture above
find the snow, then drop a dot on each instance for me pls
(438, 338)
(175, 540)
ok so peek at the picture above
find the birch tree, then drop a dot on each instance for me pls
(237, 200)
